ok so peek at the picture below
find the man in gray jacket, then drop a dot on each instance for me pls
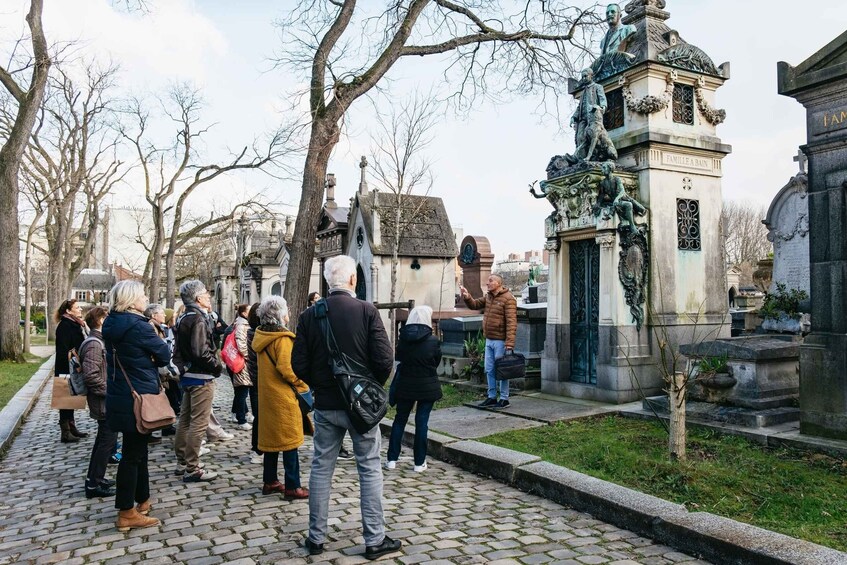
(196, 357)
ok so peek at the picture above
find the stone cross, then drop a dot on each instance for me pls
(801, 159)
(363, 183)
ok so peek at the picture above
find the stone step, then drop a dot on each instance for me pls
(706, 412)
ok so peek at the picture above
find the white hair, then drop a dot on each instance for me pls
(420, 315)
(272, 311)
(152, 309)
(125, 294)
(338, 270)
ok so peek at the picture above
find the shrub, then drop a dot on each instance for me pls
(782, 302)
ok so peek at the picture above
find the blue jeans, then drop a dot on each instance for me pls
(495, 348)
(330, 427)
(239, 403)
(291, 465)
(404, 407)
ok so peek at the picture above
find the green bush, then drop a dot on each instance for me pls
(782, 301)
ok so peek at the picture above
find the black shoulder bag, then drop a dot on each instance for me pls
(365, 400)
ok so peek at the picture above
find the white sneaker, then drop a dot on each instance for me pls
(245, 426)
(391, 464)
(204, 451)
(250, 418)
(420, 468)
(224, 437)
(233, 417)
(257, 459)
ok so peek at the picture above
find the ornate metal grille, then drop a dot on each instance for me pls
(613, 117)
(683, 104)
(688, 224)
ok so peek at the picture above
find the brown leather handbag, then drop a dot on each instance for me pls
(152, 411)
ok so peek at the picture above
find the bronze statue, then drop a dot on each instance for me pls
(613, 48)
(612, 195)
(592, 140)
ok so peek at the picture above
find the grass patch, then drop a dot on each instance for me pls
(788, 491)
(452, 396)
(15, 375)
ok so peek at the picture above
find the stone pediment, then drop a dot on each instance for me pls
(827, 64)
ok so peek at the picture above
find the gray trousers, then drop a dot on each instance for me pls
(330, 427)
(193, 421)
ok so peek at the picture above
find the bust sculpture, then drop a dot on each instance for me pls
(613, 48)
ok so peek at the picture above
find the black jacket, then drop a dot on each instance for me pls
(419, 354)
(252, 360)
(140, 352)
(359, 333)
(69, 335)
(195, 350)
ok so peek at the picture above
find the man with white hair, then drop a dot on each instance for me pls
(196, 357)
(360, 335)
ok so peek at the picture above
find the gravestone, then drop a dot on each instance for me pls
(788, 229)
(820, 84)
(475, 259)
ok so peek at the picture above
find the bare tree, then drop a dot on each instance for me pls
(745, 236)
(70, 165)
(11, 154)
(172, 174)
(348, 53)
(402, 169)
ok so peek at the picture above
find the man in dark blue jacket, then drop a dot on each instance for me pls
(196, 357)
(360, 334)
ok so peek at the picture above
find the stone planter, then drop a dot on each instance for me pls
(787, 324)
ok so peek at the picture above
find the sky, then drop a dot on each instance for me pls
(484, 161)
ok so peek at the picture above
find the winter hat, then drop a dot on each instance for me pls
(420, 315)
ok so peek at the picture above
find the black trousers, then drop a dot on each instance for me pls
(104, 444)
(174, 394)
(132, 483)
(66, 415)
(254, 408)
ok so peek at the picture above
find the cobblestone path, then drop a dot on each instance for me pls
(444, 515)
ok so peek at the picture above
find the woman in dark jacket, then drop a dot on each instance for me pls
(252, 364)
(419, 354)
(70, 332)
(133, 353)
(92, 357)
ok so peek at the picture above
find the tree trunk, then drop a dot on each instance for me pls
(28, 281)
(676, 403)
(170, 273)
(156, 255)
(395, 251)
(324, 137)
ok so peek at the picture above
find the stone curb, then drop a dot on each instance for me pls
(718, 539)
(13, 414)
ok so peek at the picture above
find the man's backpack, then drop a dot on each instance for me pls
(231, 356)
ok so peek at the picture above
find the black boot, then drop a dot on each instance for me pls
(95, 490)
(67, 436)
(75, 431)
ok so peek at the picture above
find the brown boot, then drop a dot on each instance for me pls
(132, 519)
(144, 507)
(67, 436)
(75, 431)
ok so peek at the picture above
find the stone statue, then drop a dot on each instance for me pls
(592, 140)
(533, 275)
(612, 195)
(613, 48)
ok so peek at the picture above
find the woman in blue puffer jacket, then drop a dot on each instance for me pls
(133, 352)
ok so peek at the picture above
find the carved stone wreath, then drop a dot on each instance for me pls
(712, 115)
(648, 104)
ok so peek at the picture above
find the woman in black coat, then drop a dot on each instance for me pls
(419, 354)
(133, 355)
(70, 332)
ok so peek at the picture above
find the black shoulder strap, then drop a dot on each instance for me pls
(321, 311)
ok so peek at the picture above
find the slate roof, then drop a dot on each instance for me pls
(428, 235)
(93, 279)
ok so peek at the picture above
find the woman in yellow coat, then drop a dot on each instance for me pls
(281, 424)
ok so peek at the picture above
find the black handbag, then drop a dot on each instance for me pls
(365, 400)
(510, 366)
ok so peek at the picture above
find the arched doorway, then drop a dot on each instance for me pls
(276, 289)
(361, 285)
(732, 294)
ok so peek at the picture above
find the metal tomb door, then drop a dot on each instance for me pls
(585, 307)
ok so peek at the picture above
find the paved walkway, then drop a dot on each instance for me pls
(444, 515)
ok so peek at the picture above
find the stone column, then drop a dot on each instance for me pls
(820, 84)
